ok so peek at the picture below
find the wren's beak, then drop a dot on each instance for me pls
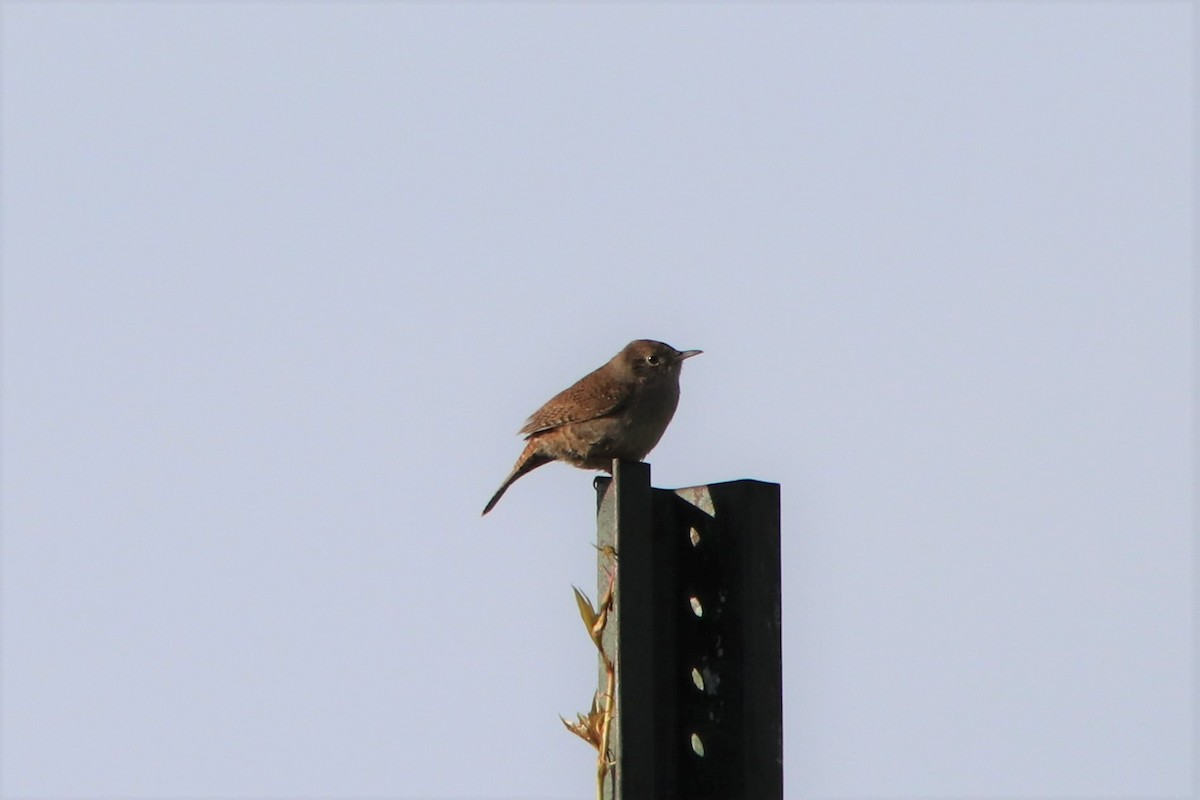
(688, 354)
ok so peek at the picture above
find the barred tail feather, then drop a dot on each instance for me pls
(530, 460)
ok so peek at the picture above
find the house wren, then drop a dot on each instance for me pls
(618, 411)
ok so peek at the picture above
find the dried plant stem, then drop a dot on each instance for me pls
(603, 761)
(603, 757)
(595, 727)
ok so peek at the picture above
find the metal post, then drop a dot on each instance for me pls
(695, 633)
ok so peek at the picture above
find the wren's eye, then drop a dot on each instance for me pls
(653, 360)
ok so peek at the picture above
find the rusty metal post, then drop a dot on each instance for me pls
(696, 635)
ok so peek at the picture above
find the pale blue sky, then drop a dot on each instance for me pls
(281, 281)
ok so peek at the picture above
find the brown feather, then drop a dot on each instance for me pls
(585, 400)
(616, 412)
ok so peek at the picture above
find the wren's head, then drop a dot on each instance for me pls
(649, 361)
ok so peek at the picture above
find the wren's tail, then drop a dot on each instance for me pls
(530, 460)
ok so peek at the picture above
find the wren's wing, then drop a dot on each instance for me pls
(588, 399)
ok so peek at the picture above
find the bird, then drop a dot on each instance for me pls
(618, 411)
